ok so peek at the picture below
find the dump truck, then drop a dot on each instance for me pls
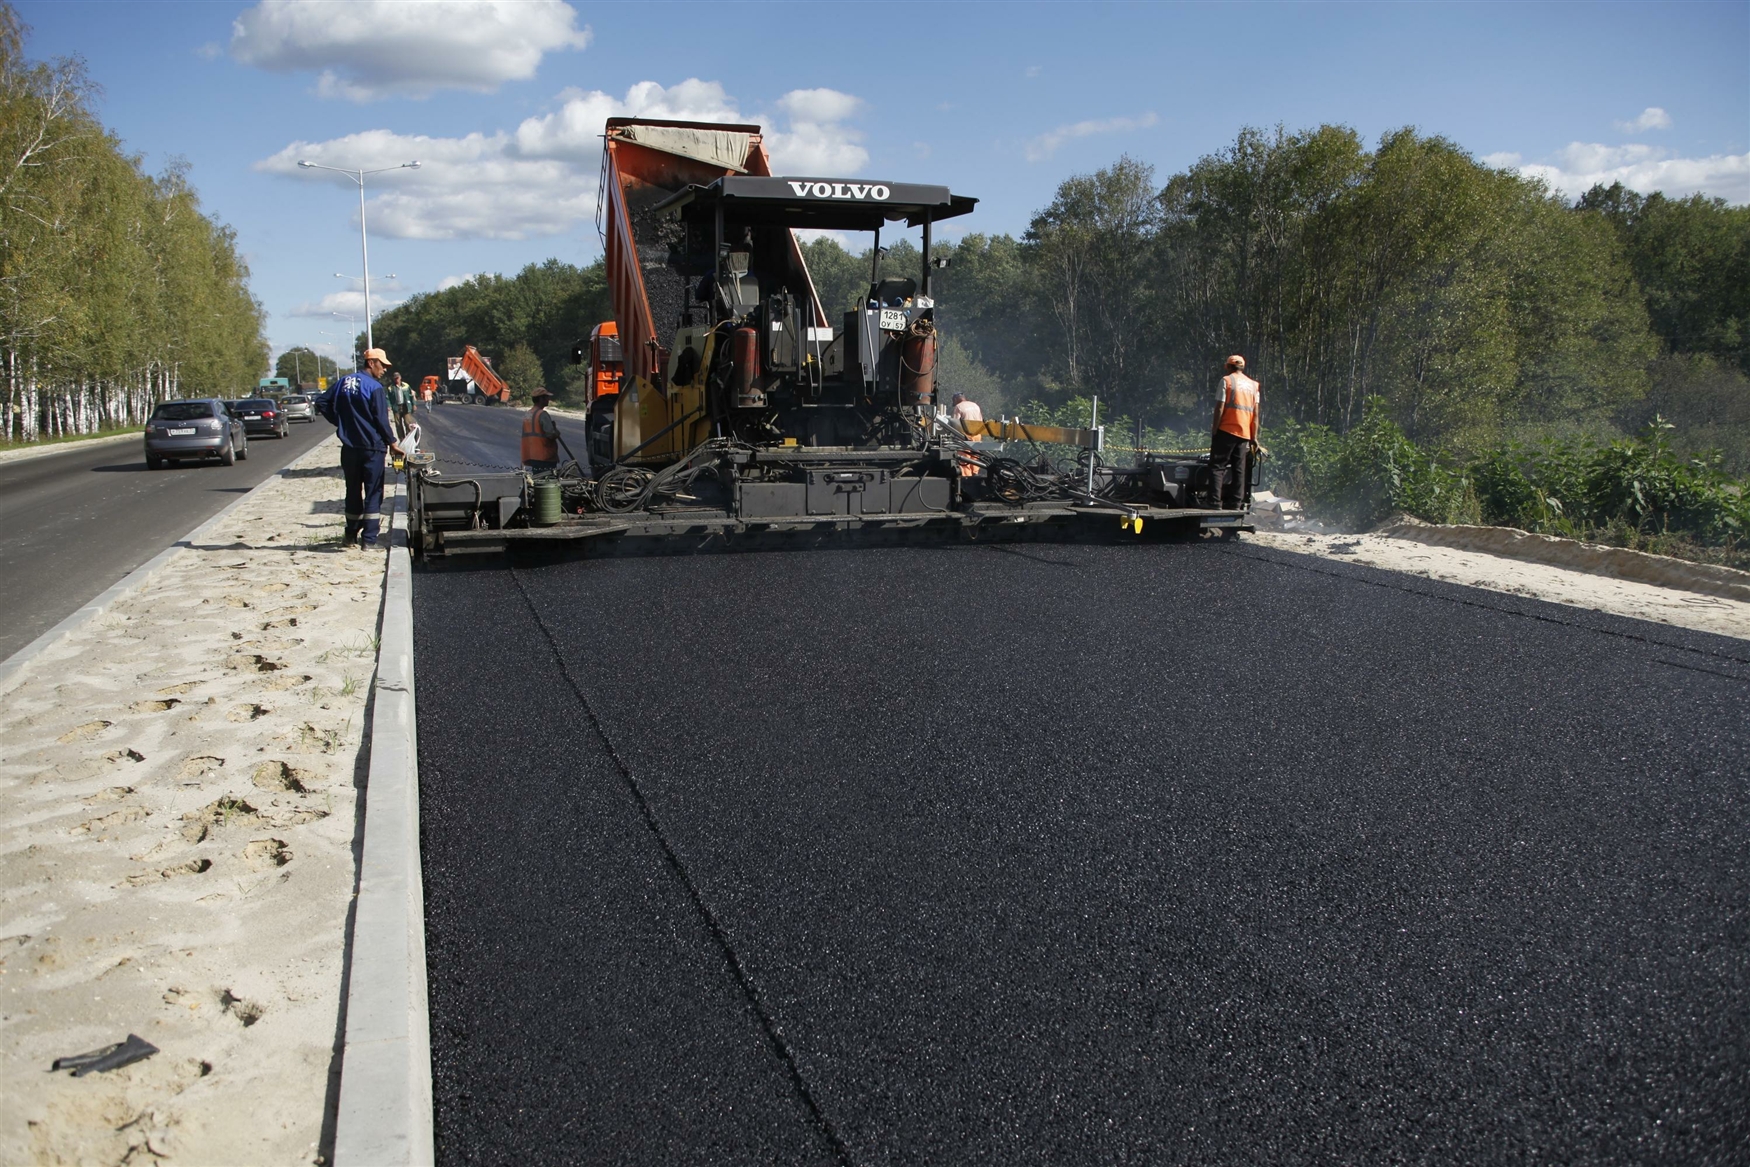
(730, 406)
(471, 376)
(606, 362)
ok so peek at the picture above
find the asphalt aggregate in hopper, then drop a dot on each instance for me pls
(1179, 853)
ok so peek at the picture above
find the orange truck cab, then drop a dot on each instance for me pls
(605, 362)
(607, 367)
(428, 388)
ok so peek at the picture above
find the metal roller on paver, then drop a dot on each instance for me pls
(728, 407)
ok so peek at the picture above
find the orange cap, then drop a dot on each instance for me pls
(1236, 362)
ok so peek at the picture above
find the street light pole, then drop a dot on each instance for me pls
(358, 176)
(331, 344)
(352, 335)
(365, 258)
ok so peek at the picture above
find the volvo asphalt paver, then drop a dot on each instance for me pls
(742, 408)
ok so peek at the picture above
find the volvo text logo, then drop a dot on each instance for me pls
(841, 190)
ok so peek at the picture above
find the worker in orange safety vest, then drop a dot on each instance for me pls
(1235, 434)
(540, 436)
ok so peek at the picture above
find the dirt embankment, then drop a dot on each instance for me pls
(1543, 581)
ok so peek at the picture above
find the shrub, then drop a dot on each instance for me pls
(1361, 478)
(1643, 485)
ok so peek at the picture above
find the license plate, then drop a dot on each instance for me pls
(253, 416)
(181, 433)
(893, 320)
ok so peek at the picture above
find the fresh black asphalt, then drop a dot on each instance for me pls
(1180, 853)
(471, 439)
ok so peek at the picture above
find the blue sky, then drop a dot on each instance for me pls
(502, 102)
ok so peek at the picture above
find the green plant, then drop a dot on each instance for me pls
(1630, 487)
(1361, 478)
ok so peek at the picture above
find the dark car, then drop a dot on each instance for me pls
(260, 415)
(198, 429)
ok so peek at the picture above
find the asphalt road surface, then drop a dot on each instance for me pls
(472, 438)
(74, 523)
(1185, 853)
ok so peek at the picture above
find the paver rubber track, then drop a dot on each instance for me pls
(1075, 855)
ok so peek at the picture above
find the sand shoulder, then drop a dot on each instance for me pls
(1558, 585)
(179, 782)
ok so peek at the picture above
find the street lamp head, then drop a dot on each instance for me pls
(305, 165)
(410, 165)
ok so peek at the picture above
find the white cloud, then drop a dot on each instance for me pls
(573, 132)
(370, 49)
(1032, 71)
(347, 304)
(472, 187)
(819, 106)
(209, 51)
(540, 178)
(818, 141)
(449, 282)
(1046, 144)
(1581, 165)
(1652, 118)
(1503, 160)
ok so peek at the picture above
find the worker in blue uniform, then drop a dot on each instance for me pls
(359, 409)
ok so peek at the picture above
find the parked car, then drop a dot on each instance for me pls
(260, 415)
(198, 429)
(298, 407)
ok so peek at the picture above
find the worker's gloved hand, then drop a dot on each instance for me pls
(1263, 451)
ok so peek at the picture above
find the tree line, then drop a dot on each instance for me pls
(1468, 304)
(116, 292)
(524, 324)
(303, 366)
(1471, 304)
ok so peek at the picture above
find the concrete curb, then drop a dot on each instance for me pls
(385, 1070)
(1593, 558)
(26, 453)
(12, 667)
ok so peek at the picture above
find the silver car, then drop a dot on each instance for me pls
(298, 407)
(198, 429)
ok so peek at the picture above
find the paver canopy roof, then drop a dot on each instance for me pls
(831, 204)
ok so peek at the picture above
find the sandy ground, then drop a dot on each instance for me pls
(177, 819)
(1520, 578)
